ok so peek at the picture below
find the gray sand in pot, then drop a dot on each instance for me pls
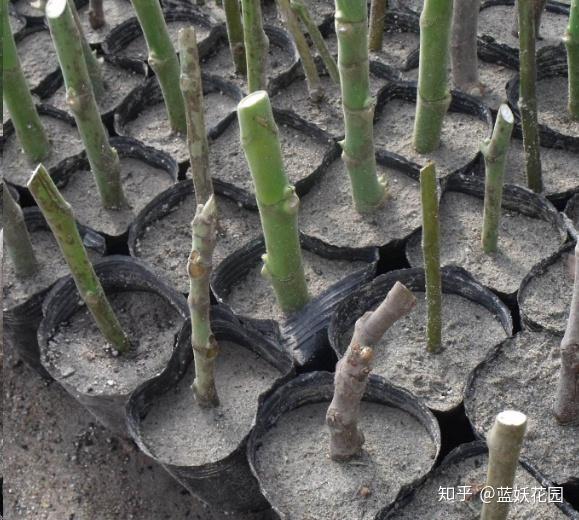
(302, 154)
(465, 478)
(461, 136)
(141, 182)
(327, 210)
(572, 211)
(469, 331)
(326, 114)
(16, 23)
(151, 126)
(166, 243)
(493, 76)
(37, 57)
(523, 243)
(559, 167)
(546, 299)
(300, 479)
(496, 21)
(397, 45)
(119, 83)
(65, 142)
(178, 431)
(137, 48)
(552, 98)
(279, 60)
(116, 12)
(52, 267)
(523, 376)
(253, 295)
(82, 356)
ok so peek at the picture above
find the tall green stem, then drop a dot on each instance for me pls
(504, 441)
(256, 45)
(431, 253)
(310, 69)
(494, 151)
(235, 34)
(302, 12)
(205, 347)
(276, 199)
(92, 63)
(192, 89)
(528, 95)
(17, 237)
(16, 95)
(59, 217)
(368, 189)
(162, 59)
(433, 97)
(103, 159)
(377, 19)
(538, 9)
(571, 40)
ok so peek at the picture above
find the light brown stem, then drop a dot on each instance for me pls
(464, 47)
(504, 441)
(352, 371)
(377, 20)
(96, 14)
(370, 327)
(567, 407)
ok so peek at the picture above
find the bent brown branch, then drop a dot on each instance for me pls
(352, 371)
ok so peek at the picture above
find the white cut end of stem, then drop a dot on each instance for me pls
(404, 297)
(428, 168)
(506, 113)
(255, 98)
(55, 8)
(38, 171)
(512, 418)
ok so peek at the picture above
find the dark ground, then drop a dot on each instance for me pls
(59, 464)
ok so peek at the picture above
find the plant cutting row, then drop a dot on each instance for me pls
(156, 422)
